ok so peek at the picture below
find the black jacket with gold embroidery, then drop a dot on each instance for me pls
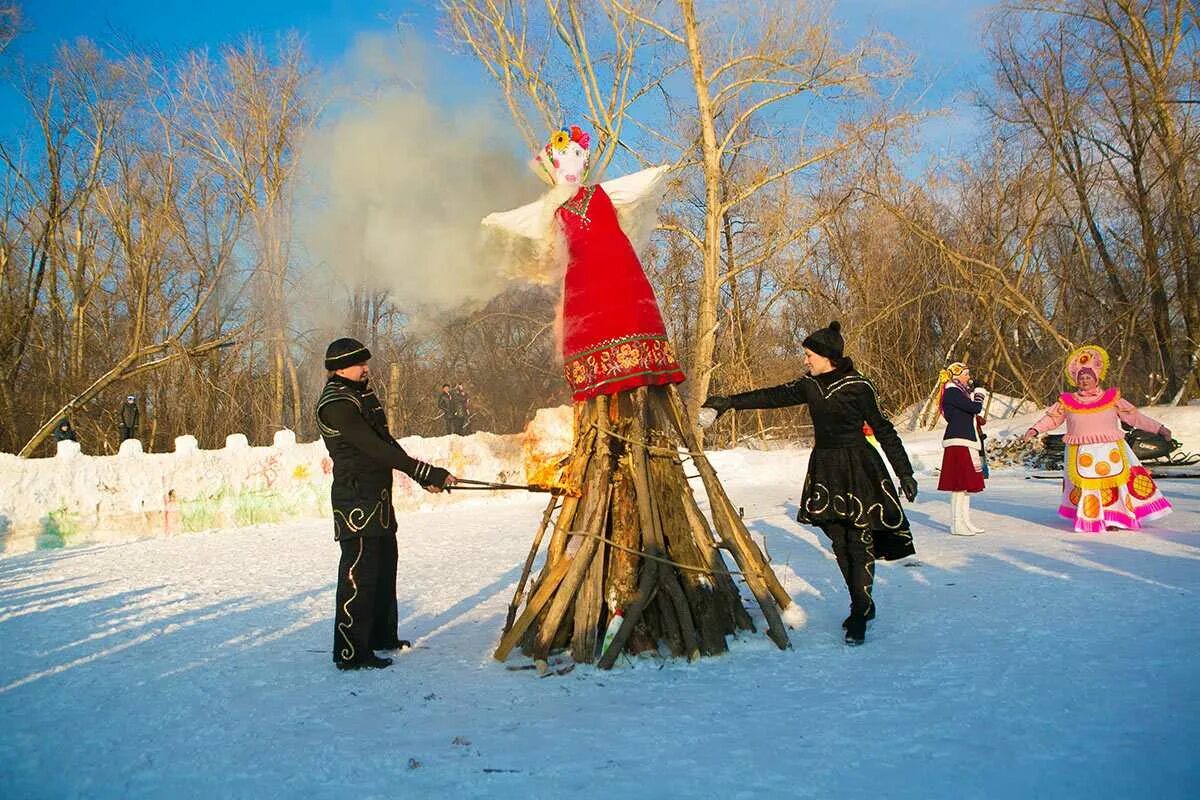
(364, 453)
(847, 482)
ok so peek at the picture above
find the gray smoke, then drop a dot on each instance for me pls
(396, 183)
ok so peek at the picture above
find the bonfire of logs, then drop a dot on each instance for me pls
(629, 537)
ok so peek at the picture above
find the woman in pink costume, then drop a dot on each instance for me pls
(1104, 485)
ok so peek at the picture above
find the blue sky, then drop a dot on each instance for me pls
(943, 35)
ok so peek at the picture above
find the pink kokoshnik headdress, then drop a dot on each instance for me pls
(1091, 357)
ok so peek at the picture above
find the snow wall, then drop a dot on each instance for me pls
(78, 499)
(74, 498)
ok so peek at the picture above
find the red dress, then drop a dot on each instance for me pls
(613, 333)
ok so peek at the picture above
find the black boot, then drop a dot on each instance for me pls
(870, 616)
(856, 630)
(371, 661)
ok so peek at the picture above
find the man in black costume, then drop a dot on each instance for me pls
(364, 453)
(848, 493)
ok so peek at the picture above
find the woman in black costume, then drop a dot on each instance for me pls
(848, 493)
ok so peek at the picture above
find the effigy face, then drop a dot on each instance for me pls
(569, 164)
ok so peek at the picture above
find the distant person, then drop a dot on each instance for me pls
(462, 410)
(364, 453)
(963, 465)
(1105, 487)
(447, 406)
(129, 417)
(64, 432)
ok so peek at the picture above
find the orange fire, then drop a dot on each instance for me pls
(550, 474)
(546, 450)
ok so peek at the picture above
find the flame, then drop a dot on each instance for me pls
(550, 475)
(546, 450)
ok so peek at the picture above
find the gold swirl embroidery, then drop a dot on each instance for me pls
(358, 518)
(348, 651)
(818, 493)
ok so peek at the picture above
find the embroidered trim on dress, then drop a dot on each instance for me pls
(637, 355)
(579, 205)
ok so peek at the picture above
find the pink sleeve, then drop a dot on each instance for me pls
(1131, 416)
(1054, 416)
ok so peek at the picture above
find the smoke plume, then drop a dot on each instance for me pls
(398, 183)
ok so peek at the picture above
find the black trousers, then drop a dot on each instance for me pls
(365, 614)
(855, 552)
(126, 433)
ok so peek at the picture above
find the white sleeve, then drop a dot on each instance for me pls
(524, 244)
(637, 186)
(527, 221)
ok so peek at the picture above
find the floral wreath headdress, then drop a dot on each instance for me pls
(545, 161)
(1090, 356)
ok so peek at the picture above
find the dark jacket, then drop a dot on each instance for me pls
(65, 432)
(364, 453)
(847, 482)
(960, 412)
(129, 414)
(446, 404)
(459, 402)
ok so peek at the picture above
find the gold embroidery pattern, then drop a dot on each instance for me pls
(347, 652)
(358, 518)
(579, 206)
(848, 506)
(648, 354)
(868, 541)
(332, 394)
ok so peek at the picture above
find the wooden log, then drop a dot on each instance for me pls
(582, 450)
(646, 591)
(588, 604)
(707, 610)
(726, 594)
(620, 582)
(596, 493)
(759, 576)
(667, 615)
(551, 582)
(675, 610)
(537, 543)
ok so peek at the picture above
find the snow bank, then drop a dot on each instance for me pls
(80, 499)
(76, 499)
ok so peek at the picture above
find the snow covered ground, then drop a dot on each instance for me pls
(1028, 662)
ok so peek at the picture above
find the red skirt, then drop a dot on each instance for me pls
(958, 471)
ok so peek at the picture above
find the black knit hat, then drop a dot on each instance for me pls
(827, 341)
(345, 352)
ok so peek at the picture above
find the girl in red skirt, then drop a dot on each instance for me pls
(962, 459)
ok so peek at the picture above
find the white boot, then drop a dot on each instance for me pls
(965, 508)
(958, 526)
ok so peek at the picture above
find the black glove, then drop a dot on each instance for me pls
(437, 477)
(718, 403)
(908, 485)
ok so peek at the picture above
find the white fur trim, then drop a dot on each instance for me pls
(970, 444)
